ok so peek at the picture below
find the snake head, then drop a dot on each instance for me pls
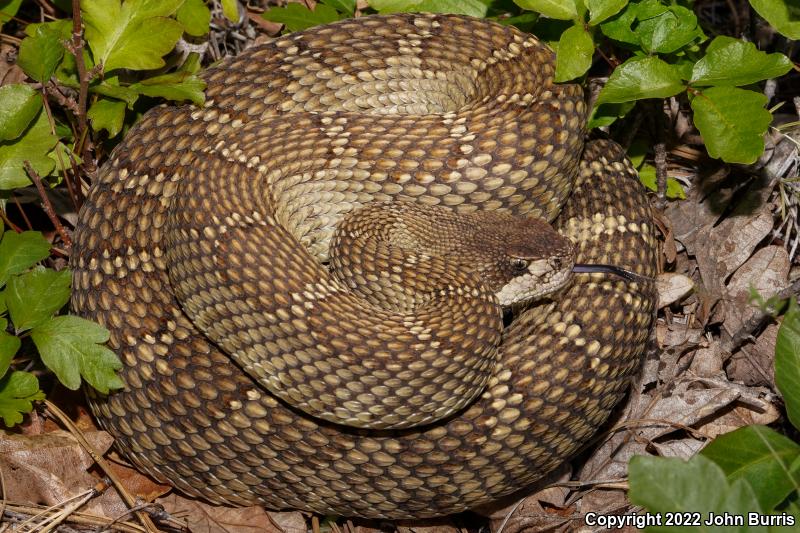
(521, 259)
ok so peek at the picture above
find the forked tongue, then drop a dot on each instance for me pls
(580, 268)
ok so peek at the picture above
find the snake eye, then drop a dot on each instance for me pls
(519, 265)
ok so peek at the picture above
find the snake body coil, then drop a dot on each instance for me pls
(202, 237)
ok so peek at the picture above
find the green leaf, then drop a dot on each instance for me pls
(573, 53)
(647, 175)
(393, 6)
(17, 391)
(34, 145)
(787, 362)
(729, 61)
(106, 114)
(42, 51)
(554, 9)
(732, 122)
(8, 8)
(176, 86)
(654, 27)
(347, 7)
(475, 8)
(298, 17)
(639, 78)
(668, 485)
(619, 27)
(522, 21)
(665, 29)
(135, 34)
(760, 456)
(110, 87)
(637, 151)
(20, 251)
(607, 114)
(600, 10)
(230, 8)
(783, 15)
(33, 297)
(9, 344)
(195, 17)
(19, 104)
(72, 347)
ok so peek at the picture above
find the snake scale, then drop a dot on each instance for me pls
(296, 132)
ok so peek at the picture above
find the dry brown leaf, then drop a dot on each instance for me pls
(137, 484)
(528, 515)
(740, 415)
(669, 248)
(9, 70)
(767, 272)
(707, 361)
(676, 334)
(201, 517)
(672, 287)
(49, 468)
(725, 247)
(686, 407)
(358, 527)
(754, 364)
(683, 448)
(699, 211)
(730, 245)
(603, 501)
(289, 522)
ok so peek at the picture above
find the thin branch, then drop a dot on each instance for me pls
(83, 94)
(47, 205)
(59, 155)
(8, 222)
(660, 149)
(22, 212)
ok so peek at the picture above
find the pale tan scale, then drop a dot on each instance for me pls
(239, 200)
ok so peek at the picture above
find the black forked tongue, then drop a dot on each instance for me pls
(610, 269)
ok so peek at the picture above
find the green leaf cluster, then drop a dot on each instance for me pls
(753, 469)
(70, 346)
(667, 61)
(127, 42)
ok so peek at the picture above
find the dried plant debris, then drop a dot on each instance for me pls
(200, 517)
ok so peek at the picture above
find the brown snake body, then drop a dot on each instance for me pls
(231, 207)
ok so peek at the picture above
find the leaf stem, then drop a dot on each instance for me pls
(48, 206)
